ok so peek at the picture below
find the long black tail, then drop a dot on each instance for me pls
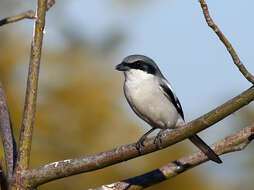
(195, 139)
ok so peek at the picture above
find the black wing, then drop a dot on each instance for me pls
(168, 92)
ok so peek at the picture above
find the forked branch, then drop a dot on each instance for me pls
(31, 90)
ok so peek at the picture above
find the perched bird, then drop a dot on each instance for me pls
(152, 98)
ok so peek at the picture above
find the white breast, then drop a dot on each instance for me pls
(147, 100)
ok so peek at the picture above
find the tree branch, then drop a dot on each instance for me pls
(235, 142)
(32, 87)
(225, 41)
(70, 167)
(8, 139)
(28, 14)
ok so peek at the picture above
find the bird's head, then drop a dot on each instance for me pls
(139, 65)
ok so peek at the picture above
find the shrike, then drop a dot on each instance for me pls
(152, 98)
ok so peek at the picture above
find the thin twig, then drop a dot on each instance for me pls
(70, 167)
(7, 135)
(235, 142)
(225, 41)
(28, 14)
(32, 87)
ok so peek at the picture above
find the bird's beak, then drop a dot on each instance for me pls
(122, 67)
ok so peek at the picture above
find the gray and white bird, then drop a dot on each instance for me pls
(152, 98)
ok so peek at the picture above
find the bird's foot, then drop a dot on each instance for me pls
(140, 142)
(139, 145)
(158, 141)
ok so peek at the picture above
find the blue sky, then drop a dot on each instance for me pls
(175, 35)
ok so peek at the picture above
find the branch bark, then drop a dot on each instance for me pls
(8, 139)
(28, 14)
(70, 167)
(225, 41)
(235, 142)
(31, 91)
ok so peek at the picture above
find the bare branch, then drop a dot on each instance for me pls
(31, 91)
(225, 41)
(70, 167)
(7, 135)
(28, 14)
(235, 142)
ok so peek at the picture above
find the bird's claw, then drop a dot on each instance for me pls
(139, 145)
(157, 141)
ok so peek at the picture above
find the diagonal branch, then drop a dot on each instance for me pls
(235, 142)
(7, 135)
(28, 14)
(70, 167)
(225, 41)
(32, 87)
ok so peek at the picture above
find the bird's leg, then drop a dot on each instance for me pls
(140, 142)
(157, 140)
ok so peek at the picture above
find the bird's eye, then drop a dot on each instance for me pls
(149, 69)
(140, 65)
(135, 65)
(145, 67)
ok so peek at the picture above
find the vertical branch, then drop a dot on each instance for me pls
(31, 91)
(7, 135)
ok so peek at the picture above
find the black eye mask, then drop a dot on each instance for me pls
(141, 65)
